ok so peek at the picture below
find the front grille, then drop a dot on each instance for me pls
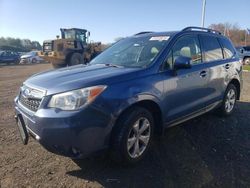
(48, 46)
(31, 104)
(30, 98)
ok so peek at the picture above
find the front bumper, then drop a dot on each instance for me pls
(25, 61)
(74, 134)
(53, 57)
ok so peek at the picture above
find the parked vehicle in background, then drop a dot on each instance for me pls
(31, 57)
(244, 53)
(133, 90)
(9, 57)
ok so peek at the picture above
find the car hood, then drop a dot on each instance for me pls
(25, 56)
(80, 76)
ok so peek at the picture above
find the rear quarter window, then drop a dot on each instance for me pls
(228, 48)
(211, 48)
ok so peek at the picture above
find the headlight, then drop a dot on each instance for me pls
(76, 99)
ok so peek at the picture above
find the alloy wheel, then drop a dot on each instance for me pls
(230, 100)
(138, 137)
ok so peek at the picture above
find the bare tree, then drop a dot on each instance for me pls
(234, 32)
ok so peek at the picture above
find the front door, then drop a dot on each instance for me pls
(185, 92)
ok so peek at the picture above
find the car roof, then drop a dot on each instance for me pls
(151, 34)
(191, 29)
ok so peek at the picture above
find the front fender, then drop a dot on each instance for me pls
(134, 100)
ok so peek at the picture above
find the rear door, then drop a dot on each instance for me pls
(219, 66)
(186, 92)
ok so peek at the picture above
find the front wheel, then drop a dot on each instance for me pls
(132, 135)
(75, 59)
(229, 101)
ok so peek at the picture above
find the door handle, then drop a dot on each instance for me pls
(203, 74)
(227, 66)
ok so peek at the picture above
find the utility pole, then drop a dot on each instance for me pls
(203, 13)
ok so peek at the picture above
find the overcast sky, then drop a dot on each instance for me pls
(109, 19)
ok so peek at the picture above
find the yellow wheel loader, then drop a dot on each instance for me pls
(71, 49)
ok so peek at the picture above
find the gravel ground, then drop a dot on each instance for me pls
(208, 151)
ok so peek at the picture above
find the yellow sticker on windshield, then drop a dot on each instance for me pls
(159, 38)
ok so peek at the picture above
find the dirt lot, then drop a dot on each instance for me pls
(208, 151)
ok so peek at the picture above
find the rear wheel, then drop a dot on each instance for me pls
(17, 61)
(229, 101)
(246, 61)
(75, 59)
(132, 135)
(34, 60)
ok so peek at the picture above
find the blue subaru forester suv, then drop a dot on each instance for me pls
(129, 93)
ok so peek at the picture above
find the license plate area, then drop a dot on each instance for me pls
(22, 129)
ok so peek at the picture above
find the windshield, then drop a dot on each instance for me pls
(69, 34)
(132, 52)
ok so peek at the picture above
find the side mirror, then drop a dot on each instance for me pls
(241, 51)
(182, 62)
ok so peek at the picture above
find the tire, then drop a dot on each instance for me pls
(129, 145)
(17, 61)
(76, 59)
(34, 60)
(246, 61)
(229, 101)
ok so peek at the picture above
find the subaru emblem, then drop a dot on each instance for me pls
(26, 93)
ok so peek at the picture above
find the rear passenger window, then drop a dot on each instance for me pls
(228, 49)
(211, 48)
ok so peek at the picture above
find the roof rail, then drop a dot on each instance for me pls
(201, 29)
(143, 32)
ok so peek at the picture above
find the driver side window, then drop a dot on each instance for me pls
(81, 36)
(186, 46)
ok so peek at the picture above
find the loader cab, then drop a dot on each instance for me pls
(81, 35)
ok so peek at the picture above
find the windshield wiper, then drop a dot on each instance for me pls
(112, 65)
